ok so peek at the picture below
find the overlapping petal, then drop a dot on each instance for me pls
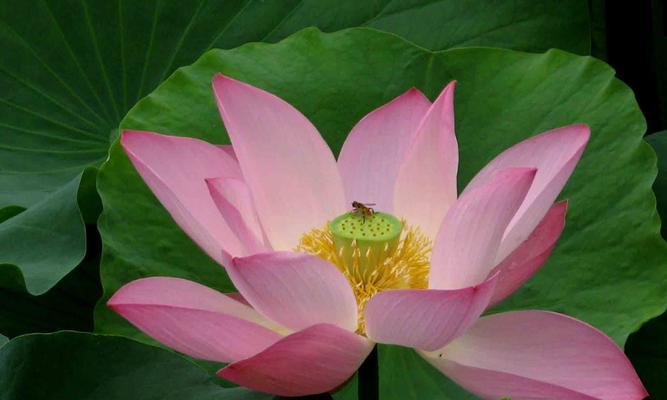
(233, 199)
(426, 183)
(296, 290)
(554, 153)
(465, 247)
(375, 148)
(193, 318)
(175, 168)
(519, 266)
(288, 167)
(538, 355)
(229, 149)
(315, 360)
(425, 319)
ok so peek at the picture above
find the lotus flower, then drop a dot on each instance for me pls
(320, 283)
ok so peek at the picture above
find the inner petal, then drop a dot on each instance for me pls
(375, 251)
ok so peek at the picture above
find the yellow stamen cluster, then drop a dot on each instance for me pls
(406, 267)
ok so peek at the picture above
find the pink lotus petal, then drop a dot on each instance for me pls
(315, 360)
(426, 182)
(376, 146)
(555, 154)
(175, 169)
(193, 319)
(425, 319)
(296, 290)
(538, 355)
(234, 201)
(288, 167)
(237, 297)
(465, 248)
(229, 149)
(519, 266)
(489, 384)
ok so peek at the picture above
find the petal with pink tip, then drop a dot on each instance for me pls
(376, 146)
(288, 167)
(193, 319)
(315, 360)
(425, 319)
(234, 201)
(175, 169)
(519, 266)
(465, 247)
(426, 183)
(538, 355)
(554, 153)
(296, 290)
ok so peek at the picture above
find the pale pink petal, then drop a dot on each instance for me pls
(426, 182)
(193, 319)
(519, 266)
(376, 146)
(555, 154)
(315, 360)
(288, 167)
(538, 355)
(295, 290)
(235, 203)
(466, 245)
(175, 168)
(489, 385)
(425, 319)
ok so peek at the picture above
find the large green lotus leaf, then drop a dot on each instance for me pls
(67, 305)
(49, 258)
(81, 366)
(523, 25)
(609, 266)
(32, 241)
(76, 67)
(40, 291)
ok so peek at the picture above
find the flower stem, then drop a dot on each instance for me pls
(369, 383)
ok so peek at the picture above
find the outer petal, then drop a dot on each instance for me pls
(175, 169)
(296, 290)
(426, 183)
(193, 318)
(555, 154)
(376, 146)
(466, 245)
(538, 355)
(519, 266)
(288, 167)
(425, 319)
(315, 360)
(234, 201)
